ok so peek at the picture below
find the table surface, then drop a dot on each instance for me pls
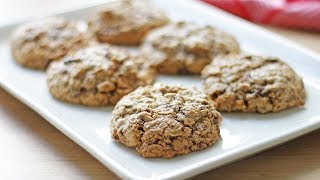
(32, 148)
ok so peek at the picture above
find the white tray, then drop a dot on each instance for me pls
(242, 134)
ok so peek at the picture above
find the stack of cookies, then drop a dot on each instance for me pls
(91, 64)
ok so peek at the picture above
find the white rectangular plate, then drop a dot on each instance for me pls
(242, 134)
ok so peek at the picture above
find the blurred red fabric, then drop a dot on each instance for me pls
(290, 13)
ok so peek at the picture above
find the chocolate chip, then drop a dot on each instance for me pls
(69, 61)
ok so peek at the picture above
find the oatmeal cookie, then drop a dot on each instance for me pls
(97, 75)
(126, 22)
(36, 44)
(165, 121)
(186, 48)
(252, 83)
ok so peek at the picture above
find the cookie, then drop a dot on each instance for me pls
(251, 83)
(36, 44)
(97, 75)
(126, 22)
(186, 48)
(165, 121)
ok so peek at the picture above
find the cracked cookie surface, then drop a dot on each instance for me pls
(252, 83)
(186, 48)
(36, 44)
(126, 22)
(165, 121)
(98, 75)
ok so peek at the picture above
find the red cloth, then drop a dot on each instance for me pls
(291, 13)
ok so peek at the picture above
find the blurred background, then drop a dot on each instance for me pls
(15, 10)
(303, 25)
(300, 14)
